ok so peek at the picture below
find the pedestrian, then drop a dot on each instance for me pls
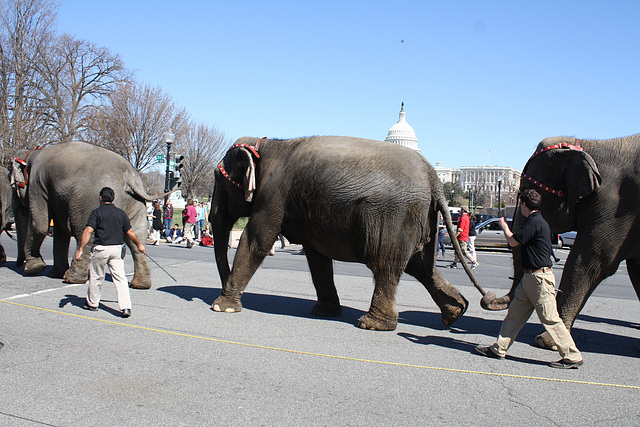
(202, 217)
(442, 230)
(175, 235)
(462, 235)
(109, 225)
(472, 239)
(157, 224)
(190, 222)
(167, 217)
(536, 288)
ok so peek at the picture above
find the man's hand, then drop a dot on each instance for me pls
(78, 255)
(142, 248)
(503, 224)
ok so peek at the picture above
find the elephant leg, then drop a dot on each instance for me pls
(580, 278)
(383, 312)
(61, 238)
(452, 304)
(255, 243)
(35, 236)
(3, 255)
(321, 269)
(141, 271)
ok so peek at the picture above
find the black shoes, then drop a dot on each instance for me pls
(88, 307)
(566, 364)
(126, 312)
(487, 351)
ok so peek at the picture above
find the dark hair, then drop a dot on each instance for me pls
(107, 195)
(531, 198)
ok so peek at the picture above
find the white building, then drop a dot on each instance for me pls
(402, 133)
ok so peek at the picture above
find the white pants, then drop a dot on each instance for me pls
(472, 248)
(102, 257)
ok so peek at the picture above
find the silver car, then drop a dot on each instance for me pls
(488, 234)
(566, 239)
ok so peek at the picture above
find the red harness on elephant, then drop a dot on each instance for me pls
(534, 181)
(23, 162)
(251, 148)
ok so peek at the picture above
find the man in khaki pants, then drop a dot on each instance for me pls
(110, 225)
(536, 290)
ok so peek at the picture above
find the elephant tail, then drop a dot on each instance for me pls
(443, 208)
(136, 190)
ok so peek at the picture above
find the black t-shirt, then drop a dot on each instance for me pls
(472, 227)
(535, 238)
(110, 224)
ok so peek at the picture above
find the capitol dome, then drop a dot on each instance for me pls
(402, 133)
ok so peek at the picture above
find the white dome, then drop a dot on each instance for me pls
(402, 133)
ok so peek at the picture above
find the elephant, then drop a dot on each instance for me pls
(592, 187)
(5, 207)
(61, 183)
(342, 198)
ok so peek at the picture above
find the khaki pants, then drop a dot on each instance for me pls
(536, 291)
(102, 257)
(464, 245)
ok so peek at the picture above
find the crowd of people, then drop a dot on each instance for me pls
(193, 230)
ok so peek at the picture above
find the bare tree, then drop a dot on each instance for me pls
(134, 121)
(74, 75)
(25, 26)
(203, 147)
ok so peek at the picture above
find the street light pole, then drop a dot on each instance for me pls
(499, 188)
(169, 137)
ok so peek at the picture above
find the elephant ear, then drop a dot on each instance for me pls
(581, 177)
(18, 173)
(242, 170)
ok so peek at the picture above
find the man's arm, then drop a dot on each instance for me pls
(132, 235)
(86, 235)
(507, 233)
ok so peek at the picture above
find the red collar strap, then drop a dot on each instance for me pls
(251, 148)
(577, 146)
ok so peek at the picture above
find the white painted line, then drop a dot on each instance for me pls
(43, 291)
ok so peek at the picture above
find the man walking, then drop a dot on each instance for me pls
(167, 217)
(536, 289)
(462, 234)
(110, 225)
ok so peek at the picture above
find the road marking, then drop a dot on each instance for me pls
(328, 356)
(44, 291)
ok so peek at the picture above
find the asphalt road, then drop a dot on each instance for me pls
(176, 362)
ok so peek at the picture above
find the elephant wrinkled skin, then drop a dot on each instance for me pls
(344, 199)
(62, 182)
(5, 207)
(592, 187)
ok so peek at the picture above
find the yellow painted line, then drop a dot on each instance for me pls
(329, 356)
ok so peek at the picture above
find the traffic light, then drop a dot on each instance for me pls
(179, 162)
(174, 180)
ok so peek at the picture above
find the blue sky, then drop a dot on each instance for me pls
(475, 76)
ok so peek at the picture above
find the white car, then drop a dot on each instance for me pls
(488, 234)
(566, 239)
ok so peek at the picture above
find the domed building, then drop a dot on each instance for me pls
(402, 133)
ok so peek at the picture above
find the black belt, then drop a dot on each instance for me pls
(540, 270)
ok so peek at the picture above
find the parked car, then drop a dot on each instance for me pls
(566, 239)
(488, 234)
(480, 218)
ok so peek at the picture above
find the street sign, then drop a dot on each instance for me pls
(160, 158)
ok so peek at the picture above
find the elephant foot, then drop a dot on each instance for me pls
(136, 283)
(378, 323)
(70, 276)
(452, 312)
(226, 304)
(34, 266)
(3, 256)
(544, 340)
(58, 274)
(327, 309)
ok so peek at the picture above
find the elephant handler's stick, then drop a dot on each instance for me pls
(154, 261)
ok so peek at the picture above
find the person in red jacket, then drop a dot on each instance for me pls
(462, 234)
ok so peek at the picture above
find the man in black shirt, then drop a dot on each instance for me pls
(110, 225)
(536, 290)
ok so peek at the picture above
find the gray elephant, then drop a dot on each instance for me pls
(61, 183)
(592, 187)
(342, 198)
(5, 207)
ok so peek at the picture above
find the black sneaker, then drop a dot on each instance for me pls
(454, 265)
(487, 351)
(566, 364)
(126, 312)
(88, 307)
